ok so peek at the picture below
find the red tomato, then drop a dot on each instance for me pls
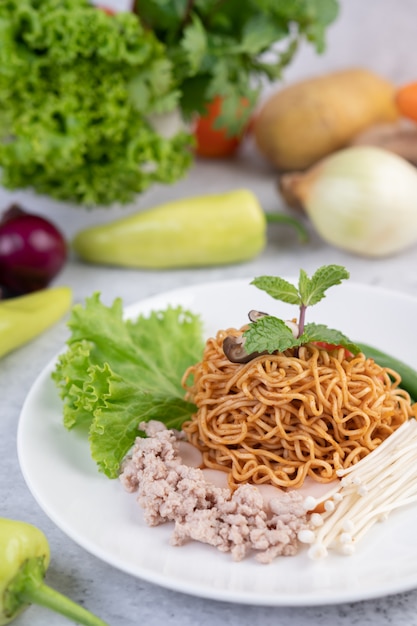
(212, 142)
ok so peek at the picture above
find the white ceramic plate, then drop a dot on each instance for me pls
(101, 517)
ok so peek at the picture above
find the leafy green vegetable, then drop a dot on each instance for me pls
(77, 87)
(310, 290)
(271, 334)
(219, 48)
(117, 373)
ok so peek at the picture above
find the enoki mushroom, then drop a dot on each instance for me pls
(368, 492)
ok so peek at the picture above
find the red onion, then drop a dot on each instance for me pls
(32, 251)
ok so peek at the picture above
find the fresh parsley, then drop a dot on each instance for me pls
(228, 49)
(270, 334)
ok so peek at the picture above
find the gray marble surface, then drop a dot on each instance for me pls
(378, 34)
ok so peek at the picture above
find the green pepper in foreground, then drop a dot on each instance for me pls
(25, 317)
(199, 231)
(24, 559)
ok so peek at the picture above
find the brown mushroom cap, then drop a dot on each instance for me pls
(234, 349)
(254, 315)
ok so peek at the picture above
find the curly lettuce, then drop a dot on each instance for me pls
(77, 87)
(117, 373)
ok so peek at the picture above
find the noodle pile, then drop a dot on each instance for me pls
(285, 416)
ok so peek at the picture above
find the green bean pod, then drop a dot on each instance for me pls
(407, 373)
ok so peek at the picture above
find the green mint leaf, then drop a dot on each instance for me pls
(313, 289)
(320, 332)
(278, 288)
(268, 334)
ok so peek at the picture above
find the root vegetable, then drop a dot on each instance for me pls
(401, 140)
(32, 251)
(306, 121)
(361, 199)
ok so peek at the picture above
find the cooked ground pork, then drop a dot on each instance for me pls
(237, 522)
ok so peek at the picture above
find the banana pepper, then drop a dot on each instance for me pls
(23, 318)
(199, 231)
(24, 559)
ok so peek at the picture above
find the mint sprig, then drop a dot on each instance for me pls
(271, 334)
(268, 335)
(313, 289)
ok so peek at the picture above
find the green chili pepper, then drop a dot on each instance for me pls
(198, 231)
(23, 318)
(24, 559)
(408, 374)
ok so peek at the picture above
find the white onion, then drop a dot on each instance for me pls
(362, 199)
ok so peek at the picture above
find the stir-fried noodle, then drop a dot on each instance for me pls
(282, 417)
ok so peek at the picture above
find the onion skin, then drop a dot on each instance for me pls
(32, 251)
(361, 199)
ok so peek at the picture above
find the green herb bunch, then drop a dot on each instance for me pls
(228, 48)
(77, 87)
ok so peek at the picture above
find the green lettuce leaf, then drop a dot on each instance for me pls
(116, 373)
(77, 88)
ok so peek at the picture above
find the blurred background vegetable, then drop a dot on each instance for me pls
(219, 48)
(25, 317)
(361, 199)
(32, 251)
(78, 87)
(306, 121)
(192, 232)
(396, 137)
(406, 99)
(216, 142)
